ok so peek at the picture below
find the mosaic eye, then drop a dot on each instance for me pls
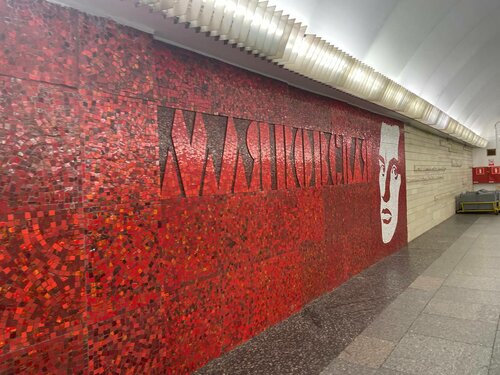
(382, 167)
(394, 172)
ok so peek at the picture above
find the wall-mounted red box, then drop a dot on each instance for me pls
(480, 175)
(495, 175)
(486, 175)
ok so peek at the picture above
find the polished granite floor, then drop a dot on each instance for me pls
(431, 308)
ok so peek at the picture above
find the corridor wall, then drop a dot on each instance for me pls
(438, 169)
(480, 158)
(158, 208)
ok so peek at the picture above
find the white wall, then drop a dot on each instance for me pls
(437, 169)
(480, 159)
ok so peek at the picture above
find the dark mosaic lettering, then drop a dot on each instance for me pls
(307, 162)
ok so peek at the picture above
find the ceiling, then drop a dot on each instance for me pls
(446, 51)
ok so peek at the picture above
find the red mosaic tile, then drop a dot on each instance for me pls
(115, 58)
(124, 259)
(121, 150)
(248, 227)
(190, 240)
(40, 153)
(247, 162)
(61, 355)
(311, 209)
(194, 325)
(130, 343)
(314, 267)
(260, 294)
(245, 304)
(285, 293)
(305, 110)
(253, 226)
(38, 41)
(243, 94)
(182, 78)
(41, 258)
(197, 83)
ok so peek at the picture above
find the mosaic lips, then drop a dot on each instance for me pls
(386, 215)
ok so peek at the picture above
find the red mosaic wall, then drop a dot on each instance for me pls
(159, 208)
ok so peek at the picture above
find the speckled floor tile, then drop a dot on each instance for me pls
(474, 260)
(473, 282)
(477, 271)
(412, 300)
(367, 351)
(468, 311)
(486, 297)
(340, 367)
(492, 249)
(391, 324)
(444, 265)
(427, 283)
(467, 331)
(386, 371)
(441, 270)
(495, 357)
(425, 355)
(491, 230)
(425, 241)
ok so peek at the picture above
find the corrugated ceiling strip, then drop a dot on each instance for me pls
(265, 31)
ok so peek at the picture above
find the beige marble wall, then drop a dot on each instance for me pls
(437, 170)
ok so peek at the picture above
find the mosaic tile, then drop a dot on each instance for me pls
(285, 294)
(121, 150)
(41, 257)
(40, 153)
(115, 58)
(130, 343)
(62, 355)
(251, 227)
(190, 241)
(243, 94)
(197, 83)
(124, 259)
(245, 304)
(314, 270)
(182, 78)
(38, 41)
(308, 111)
(194, 324)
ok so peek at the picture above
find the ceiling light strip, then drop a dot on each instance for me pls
(262, 30)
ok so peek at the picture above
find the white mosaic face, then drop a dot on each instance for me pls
(389, 180)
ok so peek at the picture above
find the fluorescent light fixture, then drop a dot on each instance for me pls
(451, 127)
(365, 82)
(395, 97)
(416, 107)
(430, 115)
(442, 121)
(459, 131)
